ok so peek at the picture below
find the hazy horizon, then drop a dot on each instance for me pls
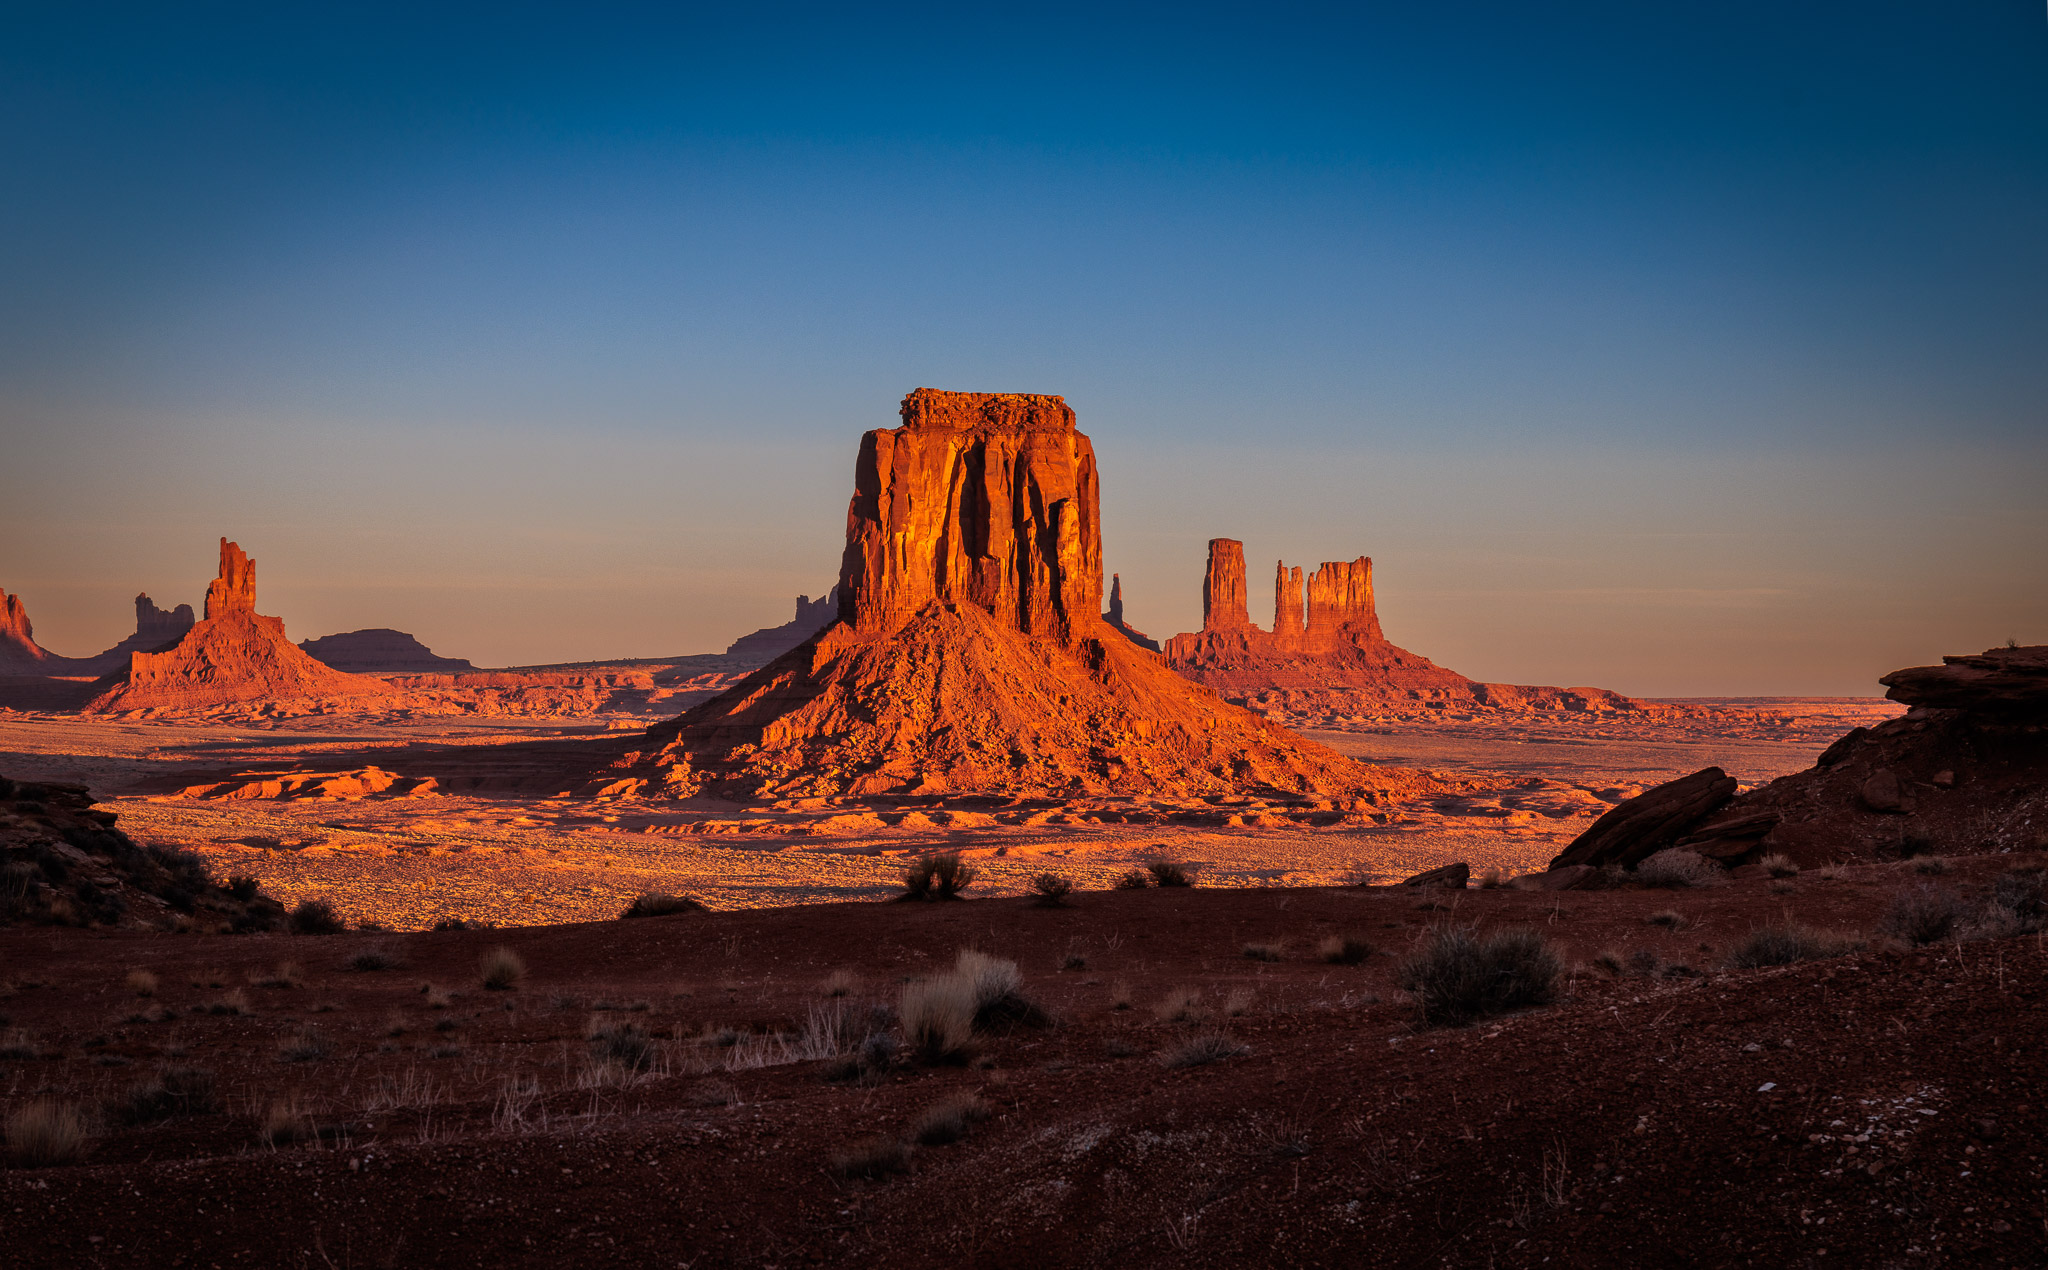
(1681, 354)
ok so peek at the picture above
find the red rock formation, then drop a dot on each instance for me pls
(2005, 681)
(771, 642)
(19, 651)
(1333, 662)
(971, 656)
(154, 626)
(1114, 618)
(233, 656)
(380, 650)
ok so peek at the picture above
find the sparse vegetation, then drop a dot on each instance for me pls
(657, 904)
(948, 1120)
(1492, 880)
(1264, 952)
(1675, 868)
(1668, 918)
(1343, 950)
(1457, 975)
(939, 876)
(1073, 961)
(305, 1045)
(1135, 880)
(938, 1018)
(371, 959)
(621, 1045)
(46, 1133)
(1170, 872)
(840, 983)
(242, 886)
(173, 1091)
(1779, 865)
(2019, 901)
(1925, 914)
(1197, 1051)
(235, 1002)
(314, 917)
(142, 983)
(1238, 1002)
(285, 975)
(1930, 865)
(1782, 946)
(1182, 1005)
(871, 1158)
(1120, 995)
(501, 969)
(1052, 890)
(282, 1123)
(999, 1000)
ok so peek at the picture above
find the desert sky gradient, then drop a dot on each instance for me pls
(1687, 354)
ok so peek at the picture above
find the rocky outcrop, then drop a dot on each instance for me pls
(1114, 618)
(1638, 828)
(155, 626)
(971, 656)
(379, 650)
(233, 656)
(771, 642)
(19, 652)
(2009, 682)
(1327, 661)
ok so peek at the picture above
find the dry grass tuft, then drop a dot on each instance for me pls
(1675, 868)
(1783, 945)
(1170, 872)
(1198, 1051)
(657, 904)
(938, 1018)
(1925, 914)
(1458, 975)
(286, 975)
(142, 983)
(1182, 1005)
(1779, 865)
(1120, 995)
(1492, 880)
(501, 968)
(314, 917)
(371, 959)
(999, 1000)
(948, 1120)
(1135, 880)
(1052, 890)
(173, 1091)
(283, 1123)
(46, 1133)
(1668, 918)
(840, 983)
(1264, 952)
(1238, 1002)
(939, 876)
(1343, 950)
(872, 1158)
(304, 1045)
(621, 1045)
(235, 1002)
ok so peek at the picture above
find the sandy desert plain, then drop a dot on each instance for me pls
(1270, 945)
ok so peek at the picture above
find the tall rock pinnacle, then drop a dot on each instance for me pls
(1224, 607)
(17, 634)
(1287, 628)
(235, 589)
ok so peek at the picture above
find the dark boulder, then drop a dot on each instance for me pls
(1638, 828)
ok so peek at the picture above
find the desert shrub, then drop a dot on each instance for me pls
(840, 983)
(1052, 890)
(1238, 1002)
(369, 959)
(1492, 880)
(1135, 880)
(1674, 868)
(235, 1002)
(871, 1158)
(242, 886)
(1182, 1005)
(1925, 914)
(286, 975)
(999, 1000)
(938, 1018)
(948, 1120)
(173, 1091)
(1457, 974)
(1263, 952)
(1669, 919)
(283, 1123)
(314, 917)
(1196, 1051)
(656, 904)
(142, 983)
(461, 923)
(941, 875)
(1120, 995)
(501, 968)
(1783, 886)
(2020, 898)
(1170, 872)
(45, 1133)
(305, 1045)
(620, 1045)
(1779, 865)
(1343, 950)
(1610, 961)
(1781, 946)
(1930, 865)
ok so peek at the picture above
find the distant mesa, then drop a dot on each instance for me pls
(19, 651)
(1327, 655)
(771, 642)
(1114, 618)
(971, 654)
(234, 655)
(380, 650)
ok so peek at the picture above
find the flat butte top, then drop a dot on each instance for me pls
(938, 410)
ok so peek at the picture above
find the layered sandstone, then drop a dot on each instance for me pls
(233, 656)
(1326, 659)
(771, 642)
(380, 650)
(971, 656)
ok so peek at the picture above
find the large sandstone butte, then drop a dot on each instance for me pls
(970, 655)
(381, 650)
(1327, 656)
(233, 656)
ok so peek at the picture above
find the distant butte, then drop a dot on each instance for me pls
(234, 655)
(1327, 656)
(19, 651)
(771, 642)
(971, 654)
(380, 650)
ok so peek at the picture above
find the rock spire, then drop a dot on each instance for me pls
(1224, 607)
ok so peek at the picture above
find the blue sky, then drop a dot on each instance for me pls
(1677, 351)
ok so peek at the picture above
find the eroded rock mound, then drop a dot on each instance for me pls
(1326, 659)
(233, 656)
(380, 650)
(971, 655)
(19, 651)
(771, 642)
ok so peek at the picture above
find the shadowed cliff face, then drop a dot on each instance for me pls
(987, 499)
(17, 636)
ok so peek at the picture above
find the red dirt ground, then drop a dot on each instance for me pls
(1879, 1108)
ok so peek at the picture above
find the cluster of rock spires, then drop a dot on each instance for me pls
(232, 655)
(970, 653)
(1326, 653)
(155, 629)
(1963, 772)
